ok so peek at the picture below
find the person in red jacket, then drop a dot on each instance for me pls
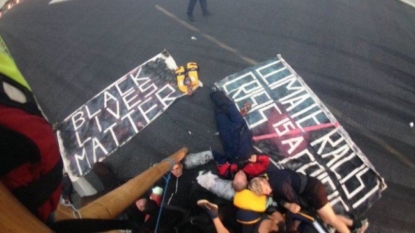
(30, 162)
(254, 166)
(240, 172)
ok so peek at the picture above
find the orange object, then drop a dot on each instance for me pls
(188, 79)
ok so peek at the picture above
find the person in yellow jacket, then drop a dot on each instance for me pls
(251, 213)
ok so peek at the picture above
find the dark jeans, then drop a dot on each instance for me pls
(192, 4)
(233, 131)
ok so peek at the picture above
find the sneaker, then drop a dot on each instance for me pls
(210, 208)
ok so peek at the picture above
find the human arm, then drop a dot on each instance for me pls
(292, 207)
(257, 165)
(283, 190)
(227, 170)
(263, 161)
(212, 210)
(220, 228)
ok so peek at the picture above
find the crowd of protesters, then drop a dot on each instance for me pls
(264, 196)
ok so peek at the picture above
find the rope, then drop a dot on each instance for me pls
(164, 195)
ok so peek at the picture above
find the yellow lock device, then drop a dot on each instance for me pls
(188, 78)
(250, 206)
(180, 75)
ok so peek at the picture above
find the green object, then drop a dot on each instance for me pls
(8, 66)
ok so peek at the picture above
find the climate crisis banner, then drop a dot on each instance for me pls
(292, 125)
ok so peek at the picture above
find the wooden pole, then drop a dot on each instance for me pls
(14, 217)
(115, 202)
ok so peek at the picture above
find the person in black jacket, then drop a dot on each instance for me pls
(293, 190)
(176, 191)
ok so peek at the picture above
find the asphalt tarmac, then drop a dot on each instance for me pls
(357, 56)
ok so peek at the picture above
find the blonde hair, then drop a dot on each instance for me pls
(256, 185)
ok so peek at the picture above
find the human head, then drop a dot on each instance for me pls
(147, 206)
(260, 186)
(177, 169)
(141, 204)
(239, 181)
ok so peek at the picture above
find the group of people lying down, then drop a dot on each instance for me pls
(262, 193)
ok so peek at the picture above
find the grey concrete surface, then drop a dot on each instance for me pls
(357, 56)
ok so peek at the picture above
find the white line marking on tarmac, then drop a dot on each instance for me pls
(58, 1)
(208, 37)
(409, 2)
(336, 112)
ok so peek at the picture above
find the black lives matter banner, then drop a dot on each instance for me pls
(292, 125)
(116, 114)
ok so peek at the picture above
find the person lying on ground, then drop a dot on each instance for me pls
(251, 221)
(257, 213)
(222, 187)
(256, 165)
(236, 140)
(293, 190)
(233, 130)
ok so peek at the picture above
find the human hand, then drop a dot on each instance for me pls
(292, 207)
(253, 158)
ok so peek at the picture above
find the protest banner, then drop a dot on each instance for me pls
(291, 124)
(116, 114)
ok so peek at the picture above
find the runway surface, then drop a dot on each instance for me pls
(358, 57)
